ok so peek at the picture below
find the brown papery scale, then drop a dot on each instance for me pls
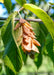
(28, 37)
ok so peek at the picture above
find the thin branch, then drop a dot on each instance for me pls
(19, 15)
(19, 11)
(17, 19)
(34, 20)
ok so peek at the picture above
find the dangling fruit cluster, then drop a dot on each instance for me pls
(28, 37)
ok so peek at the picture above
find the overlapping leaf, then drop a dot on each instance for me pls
(49, 47)
(11, 55)
(38, 60)
(8, 5)
(41, 34)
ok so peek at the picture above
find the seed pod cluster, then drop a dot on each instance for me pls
(28, 37)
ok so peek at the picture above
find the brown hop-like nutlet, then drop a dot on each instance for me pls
(28, 39)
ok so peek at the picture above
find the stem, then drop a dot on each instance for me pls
(19, 11)
(17, 19)
(19, 15)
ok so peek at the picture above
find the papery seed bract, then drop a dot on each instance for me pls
(28, 39)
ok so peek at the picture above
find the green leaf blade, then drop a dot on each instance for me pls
(11, 50)
(8, 5)
(7, 62)
(49, 47)
(38, 60)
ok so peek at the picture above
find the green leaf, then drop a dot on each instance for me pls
(49, 47)
(38, 60)
(51, 3)
(21, 2)
(12, 55)
(9, 71)
(38, 57)
(8, 63)
(5, 24)
(40, 34)
(8, 5)
(43, 16)
(24, 55)
(11, 50)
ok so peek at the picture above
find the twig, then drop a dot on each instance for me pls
(19, 14)
(19, 11)
(34, 20)
(17, 19)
